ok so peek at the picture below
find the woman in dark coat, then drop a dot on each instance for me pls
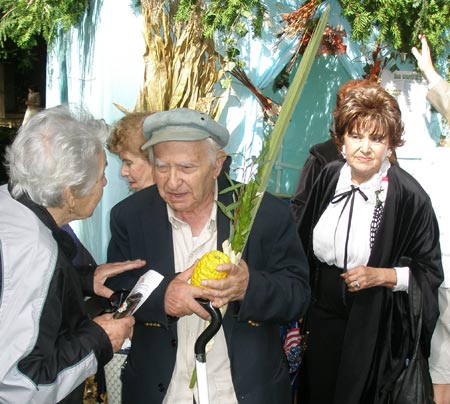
(370, 231)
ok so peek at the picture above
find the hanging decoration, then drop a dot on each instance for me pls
(270, 108)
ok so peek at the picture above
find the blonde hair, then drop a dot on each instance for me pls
(128, 134)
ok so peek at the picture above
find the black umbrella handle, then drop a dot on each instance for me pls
(210, 331)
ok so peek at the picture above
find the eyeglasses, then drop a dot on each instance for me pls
(117, 298)
(97, 305)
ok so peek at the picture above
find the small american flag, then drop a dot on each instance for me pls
(294, 344)
(293, 339)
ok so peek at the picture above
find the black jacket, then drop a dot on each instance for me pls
(278, 292)
(319, 155)
(408, 236)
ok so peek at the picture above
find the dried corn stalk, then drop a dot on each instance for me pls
(182, 67)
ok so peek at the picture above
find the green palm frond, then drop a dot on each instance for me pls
(248, 197)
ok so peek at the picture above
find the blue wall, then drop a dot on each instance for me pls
(101, 63)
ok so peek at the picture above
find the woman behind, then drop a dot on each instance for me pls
(126, 141)
(56, 169)
(367, 226)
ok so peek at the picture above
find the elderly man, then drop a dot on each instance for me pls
(171, 225)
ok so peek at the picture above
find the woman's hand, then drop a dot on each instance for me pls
(362, 277)
(105, 271)
(117, 330)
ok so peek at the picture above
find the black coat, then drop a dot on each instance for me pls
(278, 292)
(319, 156)
(408, 236)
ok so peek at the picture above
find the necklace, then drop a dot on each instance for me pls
(380, 195)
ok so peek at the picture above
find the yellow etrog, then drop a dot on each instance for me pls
(206, 267)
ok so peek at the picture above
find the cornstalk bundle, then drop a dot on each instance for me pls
(181, 65)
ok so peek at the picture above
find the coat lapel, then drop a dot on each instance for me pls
(157, 231)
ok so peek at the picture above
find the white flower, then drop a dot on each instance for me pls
(382, 191)
(226, 248)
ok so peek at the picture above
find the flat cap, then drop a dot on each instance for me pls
(182, 124)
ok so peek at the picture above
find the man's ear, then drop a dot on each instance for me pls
(220, 158)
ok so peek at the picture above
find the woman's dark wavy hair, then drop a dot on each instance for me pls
(373, 109)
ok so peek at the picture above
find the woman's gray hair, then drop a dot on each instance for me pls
(59, 147)
(214, 148)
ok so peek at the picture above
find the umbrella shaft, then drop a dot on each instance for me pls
(202, 382)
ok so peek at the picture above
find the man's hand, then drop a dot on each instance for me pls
(117, 330)
(105, 271)
(231, 288)
(180, 296)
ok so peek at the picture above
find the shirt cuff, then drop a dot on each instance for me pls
(402, 279)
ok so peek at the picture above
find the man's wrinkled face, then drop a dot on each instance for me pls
(185, 174)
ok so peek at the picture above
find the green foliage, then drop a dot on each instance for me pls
(24, 59)
(399, 22)
(245, 202)
(226, 16)
(229, 19)
(24, 21)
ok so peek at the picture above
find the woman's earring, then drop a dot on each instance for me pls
(389, 152)
(343, 151)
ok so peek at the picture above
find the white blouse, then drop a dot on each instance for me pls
(330, 233)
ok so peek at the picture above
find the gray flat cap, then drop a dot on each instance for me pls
(182, 124)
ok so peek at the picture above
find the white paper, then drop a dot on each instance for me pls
(146, 284)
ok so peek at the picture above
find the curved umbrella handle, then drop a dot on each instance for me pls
(200, 348)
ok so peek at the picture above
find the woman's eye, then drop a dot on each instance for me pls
(378, 138)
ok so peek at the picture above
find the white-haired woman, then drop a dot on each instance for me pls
(56, 169)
